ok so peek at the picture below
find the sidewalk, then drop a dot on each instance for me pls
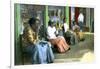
(77, 51)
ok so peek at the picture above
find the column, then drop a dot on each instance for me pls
(17, 25)
(67, 14)
(88, 18)
(46, 16)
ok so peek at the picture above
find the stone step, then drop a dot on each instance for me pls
(67, 60)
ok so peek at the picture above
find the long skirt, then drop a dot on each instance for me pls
(60, 43)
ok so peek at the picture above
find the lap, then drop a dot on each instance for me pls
(29, 49)
(57, 40)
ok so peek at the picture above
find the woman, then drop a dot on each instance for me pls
(58, 41)
(40, 51)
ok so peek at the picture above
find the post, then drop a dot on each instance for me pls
(46, 16)
(17, 25)
(67, 14)
(88, 18)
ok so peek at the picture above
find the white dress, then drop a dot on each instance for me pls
(51, 32)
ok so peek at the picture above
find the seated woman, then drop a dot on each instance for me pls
(70, 34)
(76, 29)
(58, 41)
(40, 51)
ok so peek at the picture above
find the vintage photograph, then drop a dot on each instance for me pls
(47, 34)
